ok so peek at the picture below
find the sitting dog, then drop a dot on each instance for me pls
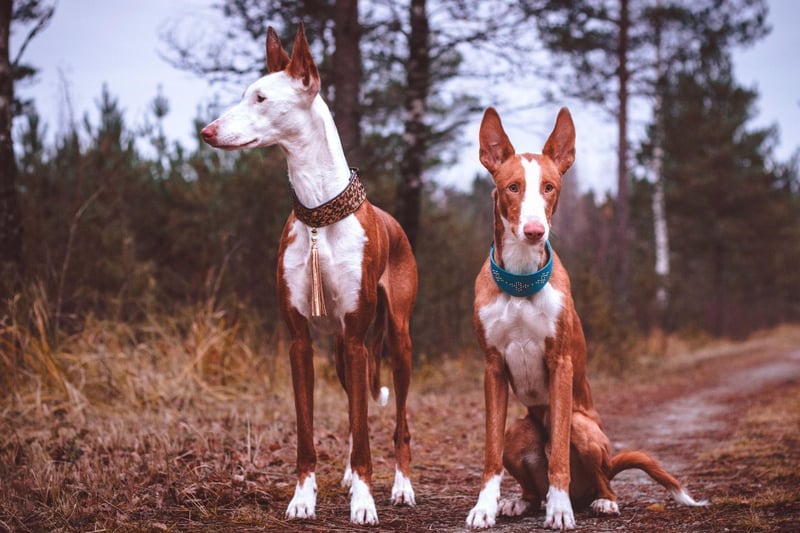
(343, 264)
(532, 340)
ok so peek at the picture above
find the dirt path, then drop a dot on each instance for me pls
(684, 424)
(699, 413)
(684, 419)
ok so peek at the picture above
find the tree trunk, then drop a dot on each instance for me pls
(347, 78)
(10, 216)
(418, 81)
(660, 231)
(623, 188)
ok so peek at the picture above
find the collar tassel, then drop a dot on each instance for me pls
(317, 295)
(340, 207)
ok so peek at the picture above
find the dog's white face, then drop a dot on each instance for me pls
(277, 107)
(267, 113)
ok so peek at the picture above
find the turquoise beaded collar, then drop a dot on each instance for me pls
(522, 285)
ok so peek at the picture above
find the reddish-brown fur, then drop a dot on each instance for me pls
(562, 444)
(291, 116)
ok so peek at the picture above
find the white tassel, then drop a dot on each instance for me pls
(317, 295)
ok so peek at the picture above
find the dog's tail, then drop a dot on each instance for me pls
(379, 394)
(637, 459)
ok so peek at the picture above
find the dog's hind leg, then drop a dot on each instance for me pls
(396, 293)
(591, 467)
(524, 458)
(400, 348)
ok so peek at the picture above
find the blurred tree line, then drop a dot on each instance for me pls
(121, 222)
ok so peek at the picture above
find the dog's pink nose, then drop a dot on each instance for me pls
(209, 133)
(534, 231)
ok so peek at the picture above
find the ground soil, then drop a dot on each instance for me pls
(724, 422)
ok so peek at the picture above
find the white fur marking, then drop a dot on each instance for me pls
(683, 498)
(402, 492)
(347, 478)
(304, 502)
(605, 507)
(362, 506)
(558, 511)
(341, 254)
(533, 205)
(517, 327)
(383, 398)
(484, 513)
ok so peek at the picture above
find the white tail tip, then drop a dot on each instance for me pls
(683, 498)
(383, 397)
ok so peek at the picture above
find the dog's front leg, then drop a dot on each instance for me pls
(558, 510)
(301, 354)
(362, 504)
(495, 387)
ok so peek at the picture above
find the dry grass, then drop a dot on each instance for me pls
(762, 459)
(180, 424)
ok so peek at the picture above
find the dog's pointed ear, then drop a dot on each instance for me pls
(495, 147)
(301, 65)
(277, 58)
(560, 146)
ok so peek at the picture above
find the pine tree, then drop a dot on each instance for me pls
(607, 53)
(732, 215)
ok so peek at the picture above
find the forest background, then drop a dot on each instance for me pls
(120, 223)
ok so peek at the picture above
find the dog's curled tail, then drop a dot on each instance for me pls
(636, 459)
(379, 394)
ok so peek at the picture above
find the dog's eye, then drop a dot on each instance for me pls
(260, 98)
(549, 187)
(513, 188)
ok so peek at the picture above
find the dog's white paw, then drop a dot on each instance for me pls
(402, 492)
(513, 507)
(605, 507)
(304, 502)
(362, 505)
(481, 518)
(558, 511)
(484, 513)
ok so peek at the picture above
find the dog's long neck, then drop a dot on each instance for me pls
(318, 169)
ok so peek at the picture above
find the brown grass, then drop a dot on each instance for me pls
(184, 424)
(763, 458)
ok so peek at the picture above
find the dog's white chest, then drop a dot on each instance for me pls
(517, 328)
(341, 256)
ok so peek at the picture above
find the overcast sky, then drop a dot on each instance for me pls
(116, 42)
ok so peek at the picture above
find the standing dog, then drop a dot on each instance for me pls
(533, 340)
(342, 266)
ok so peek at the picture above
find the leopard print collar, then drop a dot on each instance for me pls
(333, 210)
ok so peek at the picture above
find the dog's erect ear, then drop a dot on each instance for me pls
(277, 58)
(302, 66)
(495, 147)
(560, 146)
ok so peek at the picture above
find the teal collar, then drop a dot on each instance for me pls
(522, 285)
